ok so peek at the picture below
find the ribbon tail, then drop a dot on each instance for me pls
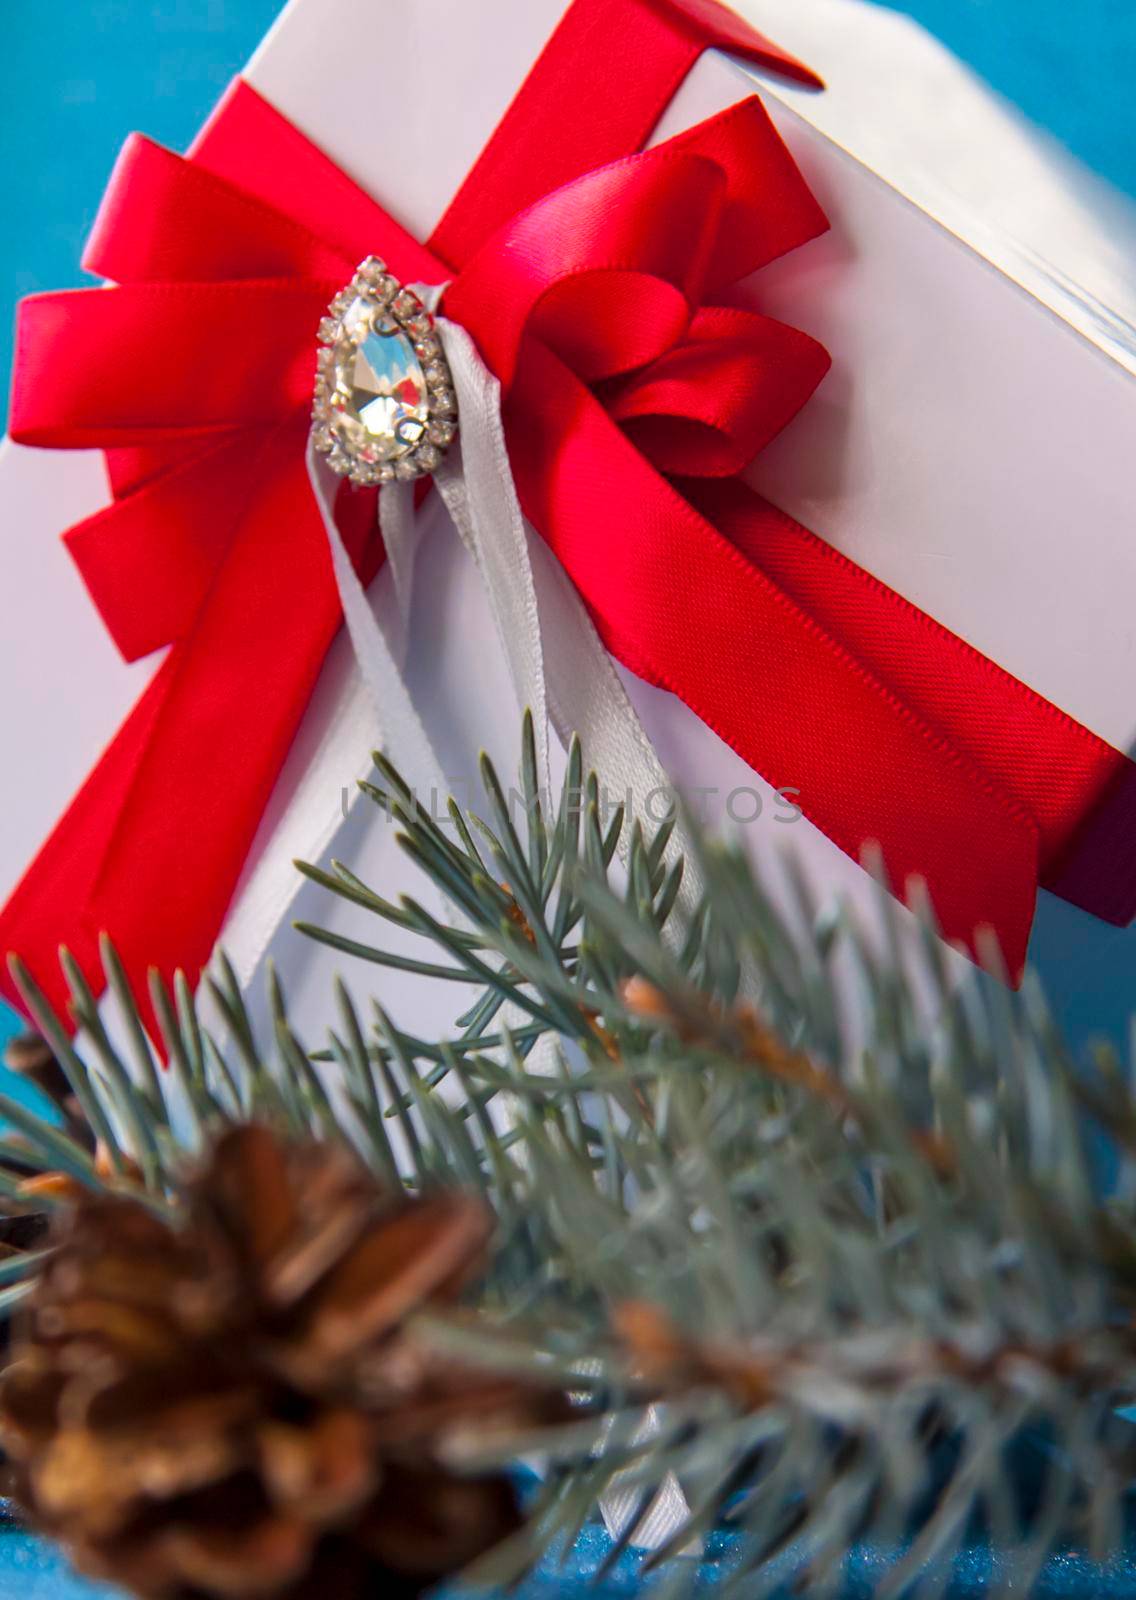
(681, 606)
(1080, 790)
(557, 661)
(589, 699)
(476, 483)
(397, 526)
(154, 845)
(558, 666)
(398, 727)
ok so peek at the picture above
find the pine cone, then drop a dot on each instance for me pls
(237, 1407)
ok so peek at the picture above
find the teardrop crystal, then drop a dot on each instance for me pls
(384, 403)
(378, 401)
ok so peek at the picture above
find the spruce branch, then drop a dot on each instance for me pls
(881, 1273)
(840, 1284)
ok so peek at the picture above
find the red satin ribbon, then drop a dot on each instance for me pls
(588, 271)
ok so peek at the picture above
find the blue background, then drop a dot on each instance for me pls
(77, 75)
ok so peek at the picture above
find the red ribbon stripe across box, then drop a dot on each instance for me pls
(594, 276)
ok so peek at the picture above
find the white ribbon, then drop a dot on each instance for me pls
(400, 536)
(398, 725)
(557, 662)
(476, 483)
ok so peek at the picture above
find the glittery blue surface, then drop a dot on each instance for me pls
(30, 1569)
(33, 1570)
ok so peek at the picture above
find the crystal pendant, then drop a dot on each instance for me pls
(384, 404)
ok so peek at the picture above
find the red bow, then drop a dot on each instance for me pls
(633, 398)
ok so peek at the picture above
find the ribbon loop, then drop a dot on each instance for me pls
(149, 594)
(165, 220)
(607, 271)
(768, 208)
(149, 363)
(707, 407)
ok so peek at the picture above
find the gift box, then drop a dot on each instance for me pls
(965, 450)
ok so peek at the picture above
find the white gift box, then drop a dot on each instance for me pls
(970, 447)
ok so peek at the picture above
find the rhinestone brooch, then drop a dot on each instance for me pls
(384, 406)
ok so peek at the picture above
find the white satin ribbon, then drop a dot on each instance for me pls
(398, 727)
(400, 536)
(476, 483)
(557, 662)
